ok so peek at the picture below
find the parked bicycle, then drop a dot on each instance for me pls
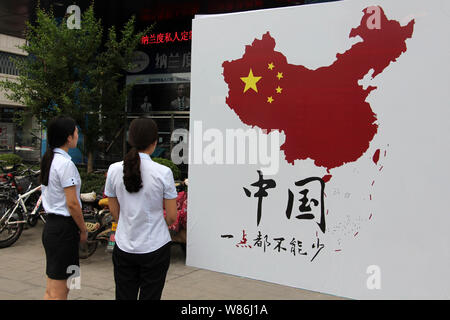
(14, 182)
(8, 187)
(14, 214)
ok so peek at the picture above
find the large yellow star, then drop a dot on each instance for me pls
(250, 81)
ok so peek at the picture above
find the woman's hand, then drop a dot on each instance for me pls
(74, 207)
(114, 208)
(171, 211)
(83, 236)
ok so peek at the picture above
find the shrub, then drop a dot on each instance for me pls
(10, 158)
(168, 163)
(92, 181)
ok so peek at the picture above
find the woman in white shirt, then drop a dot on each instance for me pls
(138, 189)
(65, 227)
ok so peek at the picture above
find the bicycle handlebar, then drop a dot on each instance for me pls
(31, 171)
(10, 169)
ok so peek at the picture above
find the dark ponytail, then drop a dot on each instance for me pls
(58, 130)
(142, 133)
(45, 165)
(132, 171)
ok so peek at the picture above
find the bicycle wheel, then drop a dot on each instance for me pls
(32, 220)
(10, 231)
(87, 249)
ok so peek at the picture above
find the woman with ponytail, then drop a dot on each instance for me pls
(138, 189)
(65, 227)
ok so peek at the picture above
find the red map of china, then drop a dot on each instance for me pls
(323, 112)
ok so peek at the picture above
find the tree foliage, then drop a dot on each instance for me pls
(74, 72)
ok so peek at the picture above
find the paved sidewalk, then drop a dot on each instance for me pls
(22, 276)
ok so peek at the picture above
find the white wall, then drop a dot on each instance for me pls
(10, 44)
(393, 215)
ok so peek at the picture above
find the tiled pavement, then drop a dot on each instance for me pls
(22, 277)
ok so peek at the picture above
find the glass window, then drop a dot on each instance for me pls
(6, 137)
(6, 65)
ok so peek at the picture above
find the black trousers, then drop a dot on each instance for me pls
(143, 274)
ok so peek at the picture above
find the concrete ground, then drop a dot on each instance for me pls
(22, 277)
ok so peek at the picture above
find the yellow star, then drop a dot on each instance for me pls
(271, 66)
(269, 99)
(250, 81)
(279, 89)
(280, 75)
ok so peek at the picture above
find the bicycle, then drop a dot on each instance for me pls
(14, 183)
(14, 214)
(8, 185)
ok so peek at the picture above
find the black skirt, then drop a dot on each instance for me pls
(61, 239)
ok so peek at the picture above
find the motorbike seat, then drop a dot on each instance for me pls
(88, 197)
(103, 202)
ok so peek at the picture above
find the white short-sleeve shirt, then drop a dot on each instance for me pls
(141, 227)
(63, 174)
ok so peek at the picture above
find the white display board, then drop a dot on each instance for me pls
(320, 147)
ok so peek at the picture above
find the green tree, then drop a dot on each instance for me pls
(72, 72)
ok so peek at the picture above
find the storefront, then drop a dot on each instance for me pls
(21, 139)
(161, 78)
(161, 83)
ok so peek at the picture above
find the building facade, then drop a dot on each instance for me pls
(24, 139)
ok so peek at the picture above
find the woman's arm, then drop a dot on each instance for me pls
(171, 210)
(114, 208)
(75, 211)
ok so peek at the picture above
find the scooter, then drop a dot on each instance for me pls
(99, 223)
